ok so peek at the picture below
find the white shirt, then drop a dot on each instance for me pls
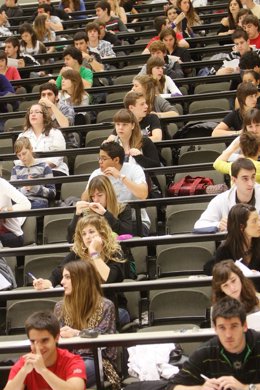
(9, 193)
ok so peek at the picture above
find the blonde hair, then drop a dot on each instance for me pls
(102, 184)
(111, 250)
(40, 27)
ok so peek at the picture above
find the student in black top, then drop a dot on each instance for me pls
(100, 197)
(230, 360)
(243, 238)
(247, 94)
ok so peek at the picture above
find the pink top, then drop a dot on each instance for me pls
(12, 73)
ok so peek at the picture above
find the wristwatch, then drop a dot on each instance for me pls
(122, 177)
(252, 386)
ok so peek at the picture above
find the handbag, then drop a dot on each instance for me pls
(190, 186)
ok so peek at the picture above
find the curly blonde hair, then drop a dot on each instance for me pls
(111, 250)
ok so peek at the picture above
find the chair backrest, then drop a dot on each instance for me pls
(215, 105)
(86, 163)
(6, 147)
(40, 266)
(182, 260)
(124, 79)
(96, 137)
(14, 124)
(55, 228)
(115, 97)
(178, 306)
(23, 106)
(198, 156)
(30, 231)
(212, 87)
(106, 116)
(182, 221)
(17, 312)
(72, 189)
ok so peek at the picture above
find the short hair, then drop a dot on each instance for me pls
(158, 22)
(168, 31)
(249, 60)
(92, 26)
(80, 35)
(131, 98)
(22, 142)
(229, 308)
(104, 5)
(239, 33)
(13, 40)
(249, 143)
(46, 7)
(241, 163)
(74, 53)
(43, 320)
(157, 45)
(52, 87)
(3, 55)
(251, 19)
(113, 149)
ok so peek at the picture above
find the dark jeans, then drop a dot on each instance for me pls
(11, 240)
(58, 185)
(39, 203)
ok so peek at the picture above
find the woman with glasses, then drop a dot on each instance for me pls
(44, 138)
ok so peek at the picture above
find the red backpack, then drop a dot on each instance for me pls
(190, 186)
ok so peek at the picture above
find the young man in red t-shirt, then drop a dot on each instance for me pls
(46, 367)
(251, 26)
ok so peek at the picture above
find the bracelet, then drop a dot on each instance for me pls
(95, 255)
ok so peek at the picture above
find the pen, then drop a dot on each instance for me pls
(204, 377)
(31, 275)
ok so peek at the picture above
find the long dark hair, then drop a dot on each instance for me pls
(237, 220)
(221, 273)
(232, 23)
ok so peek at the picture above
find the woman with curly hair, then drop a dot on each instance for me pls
(43, 31)
(229, 280)
(93, 241)
(148, 86)
(43, 137)
(72, 89)
(86, 308)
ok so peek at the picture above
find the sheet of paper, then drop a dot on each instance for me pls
(231, 64)
(4, 282)
(246, 271)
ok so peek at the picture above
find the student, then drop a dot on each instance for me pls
(244, 190)
(155, 68)
(73, 5)
(96, 44)
(191, 17)
(230, 360)
(147, 86)
(72, 89)
(73, 60)
(117, 10)
(251, 26)
(43, 31)
(91, 60)
(10, 72)
(86, 308)
(252, 6)
(127, 179)
(103, 12)
(53, 21)
(229, 280)
(29, 43)
(62, 115)
(243, 238)
(29, 168)
(249, 144)
(229, 23)
(232, 123)
(12, 9)
(46, 366)
(149, 123)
